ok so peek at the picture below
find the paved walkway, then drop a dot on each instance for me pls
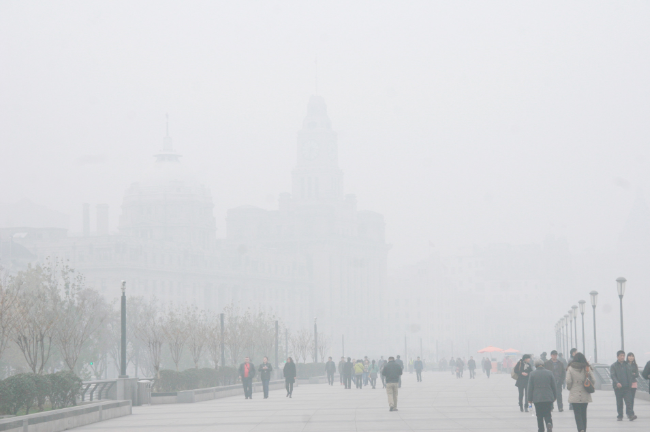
(440, 403)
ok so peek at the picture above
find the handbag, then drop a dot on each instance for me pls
(589, 386)
(513, 374)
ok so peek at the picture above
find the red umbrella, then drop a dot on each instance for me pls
(490, 349)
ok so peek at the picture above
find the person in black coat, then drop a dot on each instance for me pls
(330, 368)
(523, 370)
(289, 372)
(471, 365)
(646, 373)
(542, 391)
(347, 373)
(265, 375)
(247, 372)
(418, 366)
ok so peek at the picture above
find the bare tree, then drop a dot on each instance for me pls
(37, 313)
(197, 334)
(8, 302)
(323, 345)
(213, 338)
(149, 330)
(82, 313)
(175, 329)
(301, 343)
(233, 334)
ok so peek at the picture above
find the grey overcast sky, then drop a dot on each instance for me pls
(462, 122)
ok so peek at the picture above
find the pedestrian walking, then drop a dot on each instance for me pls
(340, 369)
(348, 371)
(358, 374)
(521, 371)
(635, 376)
(577, 373)
(487, 365)
(382, 363)
(452, 365)
(418, 369)
(471, 366)
(366, 372)
(330, 370)
(247, 372)
(556, 367)
(460, 365)
(265, 375)
(374, 371)
(542, 391)
(622, 379)
(392, 372)
(401, 364)
(289, 376)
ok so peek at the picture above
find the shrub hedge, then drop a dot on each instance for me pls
(192, 379)
(27, 390)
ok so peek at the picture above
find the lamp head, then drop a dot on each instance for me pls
(123, 287)
(575, 311)
(620, 285)
(594, 298)
(582, 306)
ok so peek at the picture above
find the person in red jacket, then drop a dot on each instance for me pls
(247, 372)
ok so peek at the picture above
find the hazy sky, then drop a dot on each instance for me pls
(462, 122)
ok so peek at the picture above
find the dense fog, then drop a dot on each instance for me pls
(422, 178)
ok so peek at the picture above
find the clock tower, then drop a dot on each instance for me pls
(317, 176)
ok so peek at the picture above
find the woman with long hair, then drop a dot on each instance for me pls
(635, 376)
(374, 370)
(523, 369)
(289, 375)
(576, 374)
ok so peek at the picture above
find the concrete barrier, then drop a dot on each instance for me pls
(67, 418)
(199, 395)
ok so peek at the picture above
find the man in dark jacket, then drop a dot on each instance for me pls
(622, 380)
(330, 368)
(340, 369)
(471, 365)
(542, 391)
(418, 366)
(400, 363)
(247, 372)
(393, 373)
(559, 374)
(347, 373)
(265, 375)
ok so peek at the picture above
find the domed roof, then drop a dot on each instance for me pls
(167, 175)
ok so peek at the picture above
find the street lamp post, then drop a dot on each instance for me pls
(582, 313)
(594, 301)
(123, 344)
(315, 342)
(566, 334)
(575, 323)
(571, 327)
(620, 285)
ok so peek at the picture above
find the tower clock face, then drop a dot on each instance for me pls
(310, 150)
